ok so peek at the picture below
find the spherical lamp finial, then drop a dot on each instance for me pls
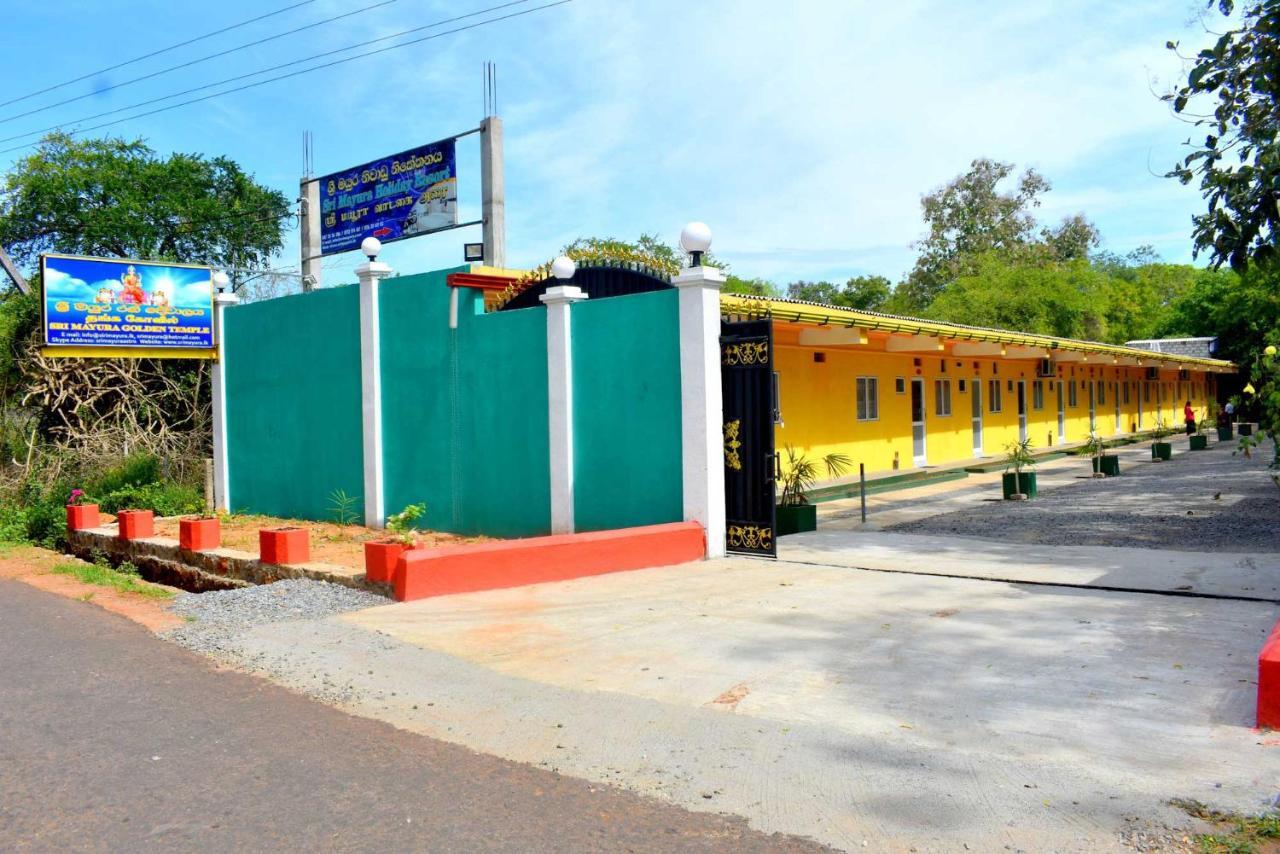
(695, 238)
(371, 246)
(221, 280)
(563, 268)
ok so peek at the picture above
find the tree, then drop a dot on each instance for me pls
(112, 197)
(971, 217)
(1238, 164)
(1064, 299)
(866, 293)
(1241, 311)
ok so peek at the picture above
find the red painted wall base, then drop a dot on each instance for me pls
(514, 563)
(1269, 682)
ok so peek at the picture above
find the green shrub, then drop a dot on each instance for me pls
(165, 499)
(137, 469)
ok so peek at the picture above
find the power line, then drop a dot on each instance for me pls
(197, 61)
(307, 70)
(155, 53)
(266, 70)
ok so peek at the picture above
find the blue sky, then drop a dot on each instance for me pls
(804, 133)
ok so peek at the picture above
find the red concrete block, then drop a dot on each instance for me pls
(514, 563)
(380, 559)
(136, 524)
(82, 516)
(284, 545)
(200, 535)
(1269, 682)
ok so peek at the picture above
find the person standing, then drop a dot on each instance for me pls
(1189, 416)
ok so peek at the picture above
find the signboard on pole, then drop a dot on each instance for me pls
(405, 195)
(110, 307)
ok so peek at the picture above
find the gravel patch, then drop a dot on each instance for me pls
(1208, 501)
(219, 617)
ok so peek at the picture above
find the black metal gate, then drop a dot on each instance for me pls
(746, 377)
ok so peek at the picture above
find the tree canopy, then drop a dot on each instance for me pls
(112, 197)
(1238, 163)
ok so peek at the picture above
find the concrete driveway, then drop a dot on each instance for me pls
(901, 710)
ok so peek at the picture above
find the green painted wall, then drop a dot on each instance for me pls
(464, 411)
(626, 425)
(293, 403)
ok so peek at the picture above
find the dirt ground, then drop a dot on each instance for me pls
(330, 542)
(34, 566)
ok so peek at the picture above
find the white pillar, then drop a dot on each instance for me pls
(701, 402)
(560, 401)
(370, 273)
(221, 468)
(493, 207)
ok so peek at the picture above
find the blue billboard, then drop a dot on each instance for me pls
(411, 193)
(115, 304)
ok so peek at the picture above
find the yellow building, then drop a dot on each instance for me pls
(899, 393)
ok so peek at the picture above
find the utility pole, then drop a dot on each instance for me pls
(7, 263)
(309, 224)
(493, 208)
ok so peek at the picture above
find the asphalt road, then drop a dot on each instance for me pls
(114, 740)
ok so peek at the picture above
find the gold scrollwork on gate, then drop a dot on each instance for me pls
(732, 444)
(747, 353)
(749, 537)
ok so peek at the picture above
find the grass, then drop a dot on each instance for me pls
(1236, 833)
(122, 580)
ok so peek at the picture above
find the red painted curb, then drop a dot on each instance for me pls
(199, 535)
(136, 524)
(514, 563)
(1269, 682)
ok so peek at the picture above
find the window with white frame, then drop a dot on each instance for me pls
(1073, 395)
(993, 396)
(1102, 393)
(942, 397)
(1037, 394)
(1125, 385)
(868, 399)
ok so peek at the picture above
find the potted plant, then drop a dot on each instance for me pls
(286, 545)
(794, 512)
(81, 513)
(1104, 464)
(1019, 485)
(1223, 419)
(1161, 450)
(382, 555)
(199, 533)
(1199, 439)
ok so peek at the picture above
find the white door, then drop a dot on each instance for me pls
(977, 416)
(1115, 390)
(1139, 388)
(918, 455)
(1062, 414)
(1093, 409)
(1022, 410)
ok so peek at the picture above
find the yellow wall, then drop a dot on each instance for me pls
(819, 405)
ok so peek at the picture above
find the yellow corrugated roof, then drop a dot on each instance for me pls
(799, 311)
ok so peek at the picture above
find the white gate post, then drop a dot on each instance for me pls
(701, 401)
(221, 466)
(369, 274)
(558, 300)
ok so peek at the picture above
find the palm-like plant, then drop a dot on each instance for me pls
(801, 474)
(1017, 456)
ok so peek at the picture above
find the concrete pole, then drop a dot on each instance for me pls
(221, 465)
(560, 402)
(701, 402)
(493, 193)
(309, 226)
(370, 274)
